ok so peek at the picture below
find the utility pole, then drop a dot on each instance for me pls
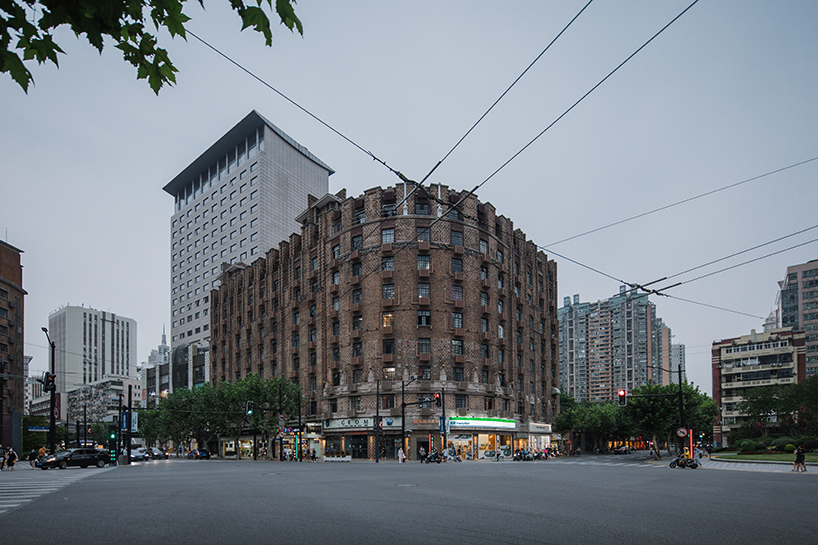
(377, 421)
(443, 422)
(128, 422)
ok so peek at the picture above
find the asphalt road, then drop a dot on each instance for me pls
(590, 499)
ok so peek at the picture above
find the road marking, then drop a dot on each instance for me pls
(18, 490)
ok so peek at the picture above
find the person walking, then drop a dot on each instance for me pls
(401, 456)
(2, 457)
(11, 458)
(32, 457)
(799, 464)
(421, 454)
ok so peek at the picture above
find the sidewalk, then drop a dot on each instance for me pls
(723, 462)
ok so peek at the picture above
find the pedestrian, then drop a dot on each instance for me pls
(697, 454)
(2, 457)
(11, 458)
(32, 457)
(799, 464)
(41, 452)
(421, 454)
(401, 456)
(709, 449)
(312, 455)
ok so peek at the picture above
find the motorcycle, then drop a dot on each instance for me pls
(684, 462)
(434, 456)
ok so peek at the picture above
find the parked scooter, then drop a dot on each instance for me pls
(684, 462)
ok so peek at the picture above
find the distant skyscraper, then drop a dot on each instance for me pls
(91, 345)
(611, 344)
(240, 198)
(677, 359)
(798, 307)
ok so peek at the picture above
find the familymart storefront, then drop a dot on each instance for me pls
(479, 438)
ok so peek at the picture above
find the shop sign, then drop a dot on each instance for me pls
(360, 423)
(482, 423)
(534, 427)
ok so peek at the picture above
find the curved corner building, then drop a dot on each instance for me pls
(385, 299)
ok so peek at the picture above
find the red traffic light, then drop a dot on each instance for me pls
(623, 398)
(437, 399)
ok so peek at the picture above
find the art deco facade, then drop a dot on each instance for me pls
(775, 357)
(374, 295)
(611, 344)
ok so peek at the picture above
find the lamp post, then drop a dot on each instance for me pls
(403, 414)
(52, 431)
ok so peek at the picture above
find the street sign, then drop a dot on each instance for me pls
(681, 432)
(38, 428)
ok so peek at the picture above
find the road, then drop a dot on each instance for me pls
(589, 499)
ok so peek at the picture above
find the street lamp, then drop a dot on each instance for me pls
(52, 432)
(403, 413)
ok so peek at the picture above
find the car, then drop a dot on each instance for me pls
(75, 457)
(139, 455)
(198, 454)
(158, 454)
(622, 450)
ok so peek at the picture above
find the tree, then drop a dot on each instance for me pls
(762, 405)
(30, 24)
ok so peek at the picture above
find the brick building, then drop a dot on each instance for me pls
(389, 292)
(12, 358)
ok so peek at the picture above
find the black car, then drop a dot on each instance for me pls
(622, 450)
(82, 457)
(157, 454)
(198, 454)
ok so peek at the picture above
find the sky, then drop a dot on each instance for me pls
(725, 94)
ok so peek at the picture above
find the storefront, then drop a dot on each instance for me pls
(480, 438)
(356, 437)
(538, 436)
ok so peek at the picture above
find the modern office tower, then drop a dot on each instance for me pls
(611, 344)
(232, 204)
(798, 307)
(406, 299)
(773, 358)
(91, 345)
(677, 360)
(12, 354)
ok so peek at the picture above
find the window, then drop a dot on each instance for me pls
(484, 376)
(358, 376)
(355, 403)
(500, 307)
(484, 325)
(424, 318)
(457, 374)
(457, 238)
(457, 293)
(457, 319)
(422, 234)
(336, 277)
(336, 328)
(424, 290)
(460, 401)
(424, 262)
(356, 296)
(457, 265)
(499, 256)
(424, 346)
(484, 299)
(336, 251)
(425, 373)
(422, 208)
(388, 319)
(388, 291)
(357, 323)
(457, 347)
(359, 217)
(501, 331)
(357, 268)
(387, 236)
(336, 379)
(357, 242)
(357, 350)
(388, 263)
(484, 351)
(388, 401)
(484, 246)
(389, 346)
(333, 403)
(336, 303)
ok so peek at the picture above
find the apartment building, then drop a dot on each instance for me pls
(798, 307)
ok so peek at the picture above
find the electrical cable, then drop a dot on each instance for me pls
(643, 214)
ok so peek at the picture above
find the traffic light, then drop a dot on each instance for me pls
(112, 443)
(623, 398)
(380, 423)
(437, 399)
(50, 383)
(249, 408)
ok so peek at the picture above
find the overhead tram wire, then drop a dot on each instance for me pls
(643, 287)
(683, 201)
(583, 97)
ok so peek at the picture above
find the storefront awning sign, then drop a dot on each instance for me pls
(482, 423)
(360, 423)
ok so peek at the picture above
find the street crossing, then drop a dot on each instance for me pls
(24, 485)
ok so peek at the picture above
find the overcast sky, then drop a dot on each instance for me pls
(726, 93)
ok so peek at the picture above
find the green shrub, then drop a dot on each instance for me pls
(782, 442)
(811, 444)
(748, 445)
(789, 448)
(760, 446)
